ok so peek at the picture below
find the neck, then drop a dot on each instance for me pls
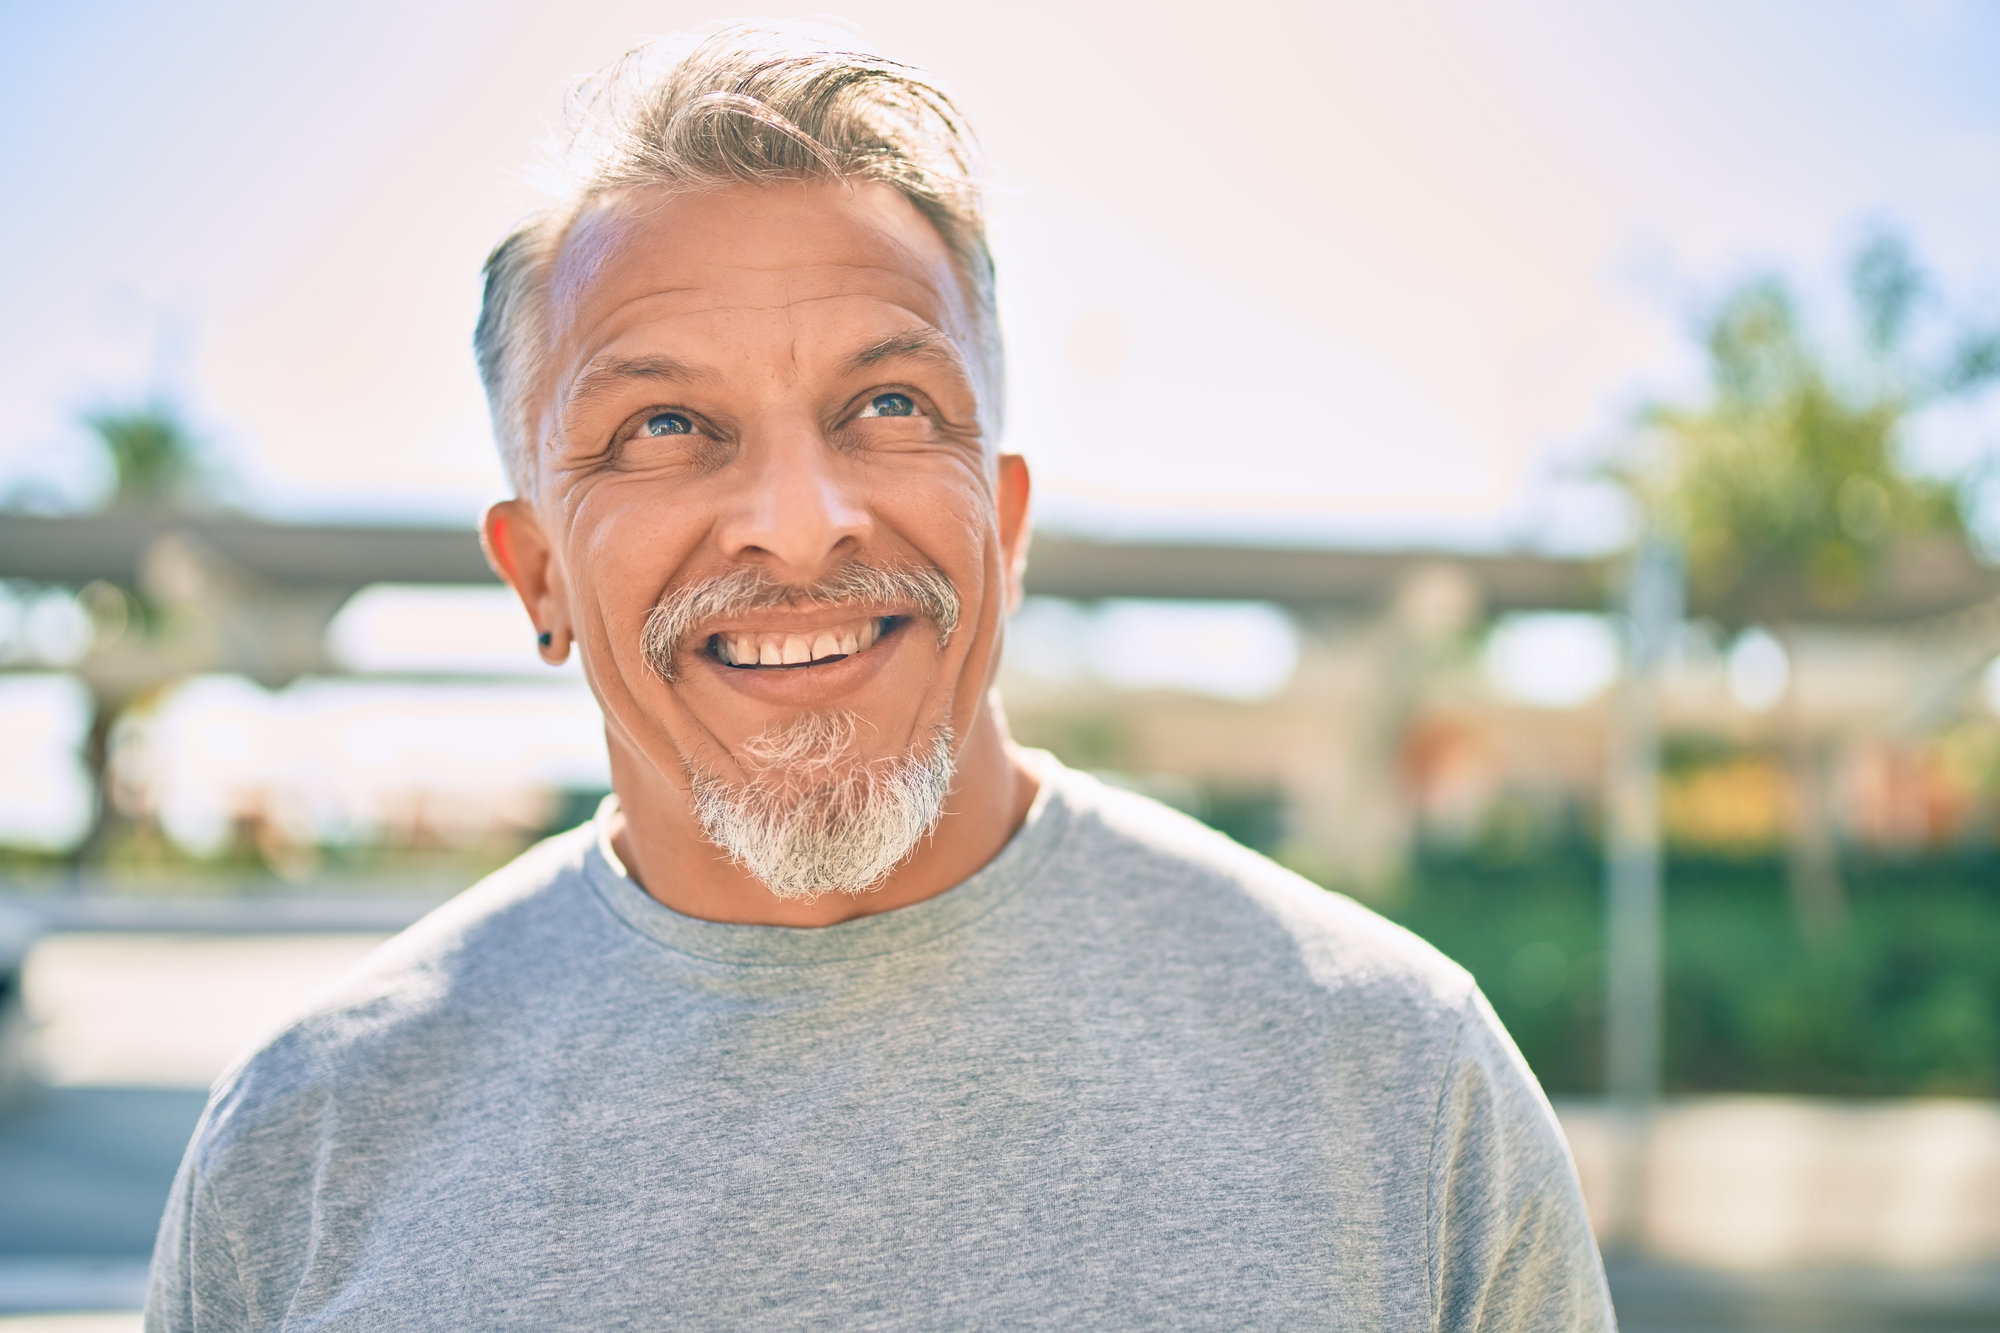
(657, 836)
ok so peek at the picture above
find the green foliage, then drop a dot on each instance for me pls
(1086, 738)
(1907, 1001)
(155, 458)
(1254, 816)
(1530, 930)
(1786, 487)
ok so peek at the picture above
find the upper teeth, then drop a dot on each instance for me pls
(748, 649)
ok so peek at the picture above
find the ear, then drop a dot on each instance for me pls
(1013, 490)
(520, 553)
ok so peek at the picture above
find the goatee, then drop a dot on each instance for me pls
(817, 818)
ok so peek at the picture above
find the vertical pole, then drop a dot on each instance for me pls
(1633, 915)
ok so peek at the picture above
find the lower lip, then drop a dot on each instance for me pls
(806, 680)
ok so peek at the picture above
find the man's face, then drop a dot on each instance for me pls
(769, 386)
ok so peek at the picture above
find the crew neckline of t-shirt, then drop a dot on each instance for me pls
(888, 932)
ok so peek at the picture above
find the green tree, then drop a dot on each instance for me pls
(157, 464)
(1787, 489)
(156, 459)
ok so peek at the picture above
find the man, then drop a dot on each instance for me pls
(844, 1012)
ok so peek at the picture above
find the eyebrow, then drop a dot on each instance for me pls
(927, 344)
(604, 377)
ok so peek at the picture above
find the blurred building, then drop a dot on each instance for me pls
(286, 689)
(1442, 699)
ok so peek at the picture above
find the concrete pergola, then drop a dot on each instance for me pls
(256, 597)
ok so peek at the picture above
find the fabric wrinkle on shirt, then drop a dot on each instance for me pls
(1129, 1075)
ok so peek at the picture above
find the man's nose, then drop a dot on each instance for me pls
(797, 512)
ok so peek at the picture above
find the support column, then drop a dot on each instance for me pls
(1633, 874)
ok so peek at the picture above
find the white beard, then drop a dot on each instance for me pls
(814, 817)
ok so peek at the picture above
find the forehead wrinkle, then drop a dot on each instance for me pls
(605, 376)
(847, 281)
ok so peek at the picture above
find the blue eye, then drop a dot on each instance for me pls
(669, 423)
(890, 405)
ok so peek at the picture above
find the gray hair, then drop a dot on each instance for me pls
(815, 817)
(737, 104)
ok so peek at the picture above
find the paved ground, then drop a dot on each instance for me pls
(1656, 1299)
(131, 1027)
(86, 1170)
(171, 1009)
(85, 1173)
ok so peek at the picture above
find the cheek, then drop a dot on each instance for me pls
(625, 550)
(952, 521)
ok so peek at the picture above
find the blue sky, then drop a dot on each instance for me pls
(1327, 272)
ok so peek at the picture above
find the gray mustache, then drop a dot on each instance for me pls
(752, 589)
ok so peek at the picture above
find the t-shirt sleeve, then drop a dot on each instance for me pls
(1510, 1243)
(195, 1285)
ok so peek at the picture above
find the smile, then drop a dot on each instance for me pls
(749, 650)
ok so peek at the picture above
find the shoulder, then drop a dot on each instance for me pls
(1423, 1072)
(1144, 863)
(402, 1013)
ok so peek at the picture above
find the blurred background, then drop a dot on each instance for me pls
(1534, 469)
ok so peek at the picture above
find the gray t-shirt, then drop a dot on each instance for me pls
(1128, 1076)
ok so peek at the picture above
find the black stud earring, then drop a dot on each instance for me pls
(545, 639)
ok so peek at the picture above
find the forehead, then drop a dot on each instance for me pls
(793, 248)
